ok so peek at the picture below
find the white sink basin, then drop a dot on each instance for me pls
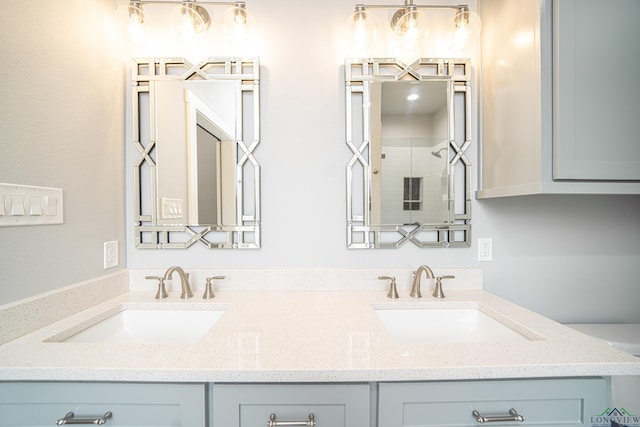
(149, 326)
(444, 325)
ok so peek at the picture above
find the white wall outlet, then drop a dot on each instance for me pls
(485, 250)
(110, 254)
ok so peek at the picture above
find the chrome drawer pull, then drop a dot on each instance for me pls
(513, 416)
(68, 419)
(273, 423)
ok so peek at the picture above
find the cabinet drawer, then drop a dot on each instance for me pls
(132, 405)
(251, 405)
(549, 403)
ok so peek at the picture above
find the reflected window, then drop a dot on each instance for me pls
(412, 194)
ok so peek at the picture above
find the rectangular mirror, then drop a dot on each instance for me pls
(409, 146)
(195, 128)
(408, 178)
(212, 160)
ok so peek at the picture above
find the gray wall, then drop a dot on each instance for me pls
(61, 125)
(573, 258)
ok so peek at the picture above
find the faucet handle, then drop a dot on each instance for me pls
(437, 292)
(162, 291)
(393, 292)
(208, 290)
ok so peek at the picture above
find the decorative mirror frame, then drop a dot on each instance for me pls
(148, 233)
(361, 234)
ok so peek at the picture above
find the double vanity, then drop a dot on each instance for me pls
(326, 357)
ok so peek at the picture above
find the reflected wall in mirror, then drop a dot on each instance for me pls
(195, 128)
(408, 128)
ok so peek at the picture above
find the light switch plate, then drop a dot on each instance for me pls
(171, 208)
(111, 254)
(29, 205)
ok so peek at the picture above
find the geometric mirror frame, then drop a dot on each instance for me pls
(239, 225)
(365, 228)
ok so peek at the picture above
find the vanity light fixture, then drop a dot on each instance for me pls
(411, 25)
(189, 19)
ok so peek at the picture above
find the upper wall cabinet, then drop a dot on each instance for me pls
(559, 105)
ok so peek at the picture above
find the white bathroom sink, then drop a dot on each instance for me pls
(444, 325)
(149, 326)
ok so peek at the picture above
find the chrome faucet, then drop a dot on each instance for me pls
(415, 289)
(184, 280)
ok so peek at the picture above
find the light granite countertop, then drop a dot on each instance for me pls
(312, 336)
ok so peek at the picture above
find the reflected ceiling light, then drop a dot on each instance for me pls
(190, 19)
(413, 97)
(410, 24)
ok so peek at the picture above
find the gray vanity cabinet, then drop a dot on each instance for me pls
(37, 404)
(548, 402)
(328, 405)
(560, 107)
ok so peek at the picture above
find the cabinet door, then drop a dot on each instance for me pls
(251, 405)
(131, 405)
(596, 90)
(548, 403)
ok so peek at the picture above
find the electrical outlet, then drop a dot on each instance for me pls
(110, 254)
(485, 251)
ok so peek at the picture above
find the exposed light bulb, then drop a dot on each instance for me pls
(137, 34)
(188, 21)
(238, 27)
(411, 33)
(240, 15)
(466, 28)
(362, 28)
(410, 25)
(131, 20)
(360, 35)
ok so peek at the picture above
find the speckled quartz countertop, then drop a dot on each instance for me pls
(312, 336)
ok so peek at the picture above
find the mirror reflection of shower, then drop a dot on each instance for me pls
(437, 153)
(409, 187)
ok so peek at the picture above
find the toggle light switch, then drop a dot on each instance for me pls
(35, 205)
(17, 204)
(51, 206)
